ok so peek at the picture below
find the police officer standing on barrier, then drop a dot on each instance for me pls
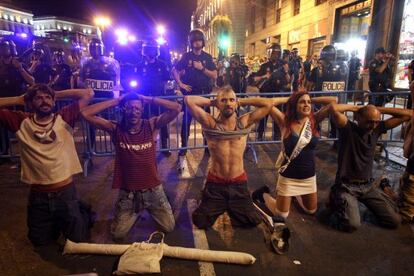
(380, 76)
(273, 76)
(100, 73)
(194, 73)
(62, 73)
(152, 76)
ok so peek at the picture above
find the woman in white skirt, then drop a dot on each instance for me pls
(296, 162)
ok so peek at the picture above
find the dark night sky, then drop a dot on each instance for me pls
(137, 15)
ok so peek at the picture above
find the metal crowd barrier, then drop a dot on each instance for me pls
(92, 142)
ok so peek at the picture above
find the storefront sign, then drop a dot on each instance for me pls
(294, 36)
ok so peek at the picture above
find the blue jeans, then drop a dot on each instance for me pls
(131, 203)
(50, 214)
(344, 206)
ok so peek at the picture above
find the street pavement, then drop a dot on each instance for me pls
(315, 248)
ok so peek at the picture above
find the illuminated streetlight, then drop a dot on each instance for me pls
(161, 40)
(161, 29)
(102, 21)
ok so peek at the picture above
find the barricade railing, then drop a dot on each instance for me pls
(92, 142)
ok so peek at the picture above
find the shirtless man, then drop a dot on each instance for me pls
(226, 185)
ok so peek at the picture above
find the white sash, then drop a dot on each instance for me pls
(304, 139)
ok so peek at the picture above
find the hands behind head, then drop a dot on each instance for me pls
(213, 102)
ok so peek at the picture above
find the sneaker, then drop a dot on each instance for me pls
(280, 238)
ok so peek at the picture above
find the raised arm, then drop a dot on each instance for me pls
(399, 115)
(25, 74)
(324, 111)
(337, 113)
(196, 105)
(8, 101)
(89, 113)
(262, 105)
(173, 109)
(82, 95)
(277, 115)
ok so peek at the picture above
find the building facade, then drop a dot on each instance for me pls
(307, 24)
(207, 16)
(15, 21)
(67, 29)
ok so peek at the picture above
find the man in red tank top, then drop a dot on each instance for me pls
(135, 172)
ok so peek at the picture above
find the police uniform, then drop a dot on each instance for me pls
(294, 69)
(354, 67)
(152, 77)
(63, 74)
(199, 82)
(378, 82)
(43, 73)
(101, 75)
(12, 83)
(275, 83)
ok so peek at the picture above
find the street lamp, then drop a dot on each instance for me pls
(102, 21)
(161, 30)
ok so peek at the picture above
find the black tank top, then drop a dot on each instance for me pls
(303, 166)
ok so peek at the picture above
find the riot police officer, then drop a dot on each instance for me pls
(380, 73)
(100, 73)
(329, 75)
(273, 76)
(235, 74)
(354, 65)
(152, 76)
(13, 75)
(61, 72)
(295, 66)
(40, 67)
(194, 73)
(13, 80)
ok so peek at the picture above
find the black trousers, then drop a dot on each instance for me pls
(50, 214)
(233, 198)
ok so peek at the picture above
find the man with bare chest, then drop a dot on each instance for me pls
(226, 184)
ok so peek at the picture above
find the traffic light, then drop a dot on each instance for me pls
(224, 42)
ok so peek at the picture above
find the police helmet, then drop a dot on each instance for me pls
(150, 49)
(285, 53)
(96, 48)
(196, 35)
(328, 53)
(342, 55)
(7, 48)
(273, 48)
(59, 56)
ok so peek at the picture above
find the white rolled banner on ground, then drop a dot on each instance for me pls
(195, 254)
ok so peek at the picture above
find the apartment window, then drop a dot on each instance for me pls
(318, 2)
(296, 7)
(252, 18)
(264, 13)
(278, 10)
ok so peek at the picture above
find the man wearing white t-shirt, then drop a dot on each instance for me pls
(49, 161)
